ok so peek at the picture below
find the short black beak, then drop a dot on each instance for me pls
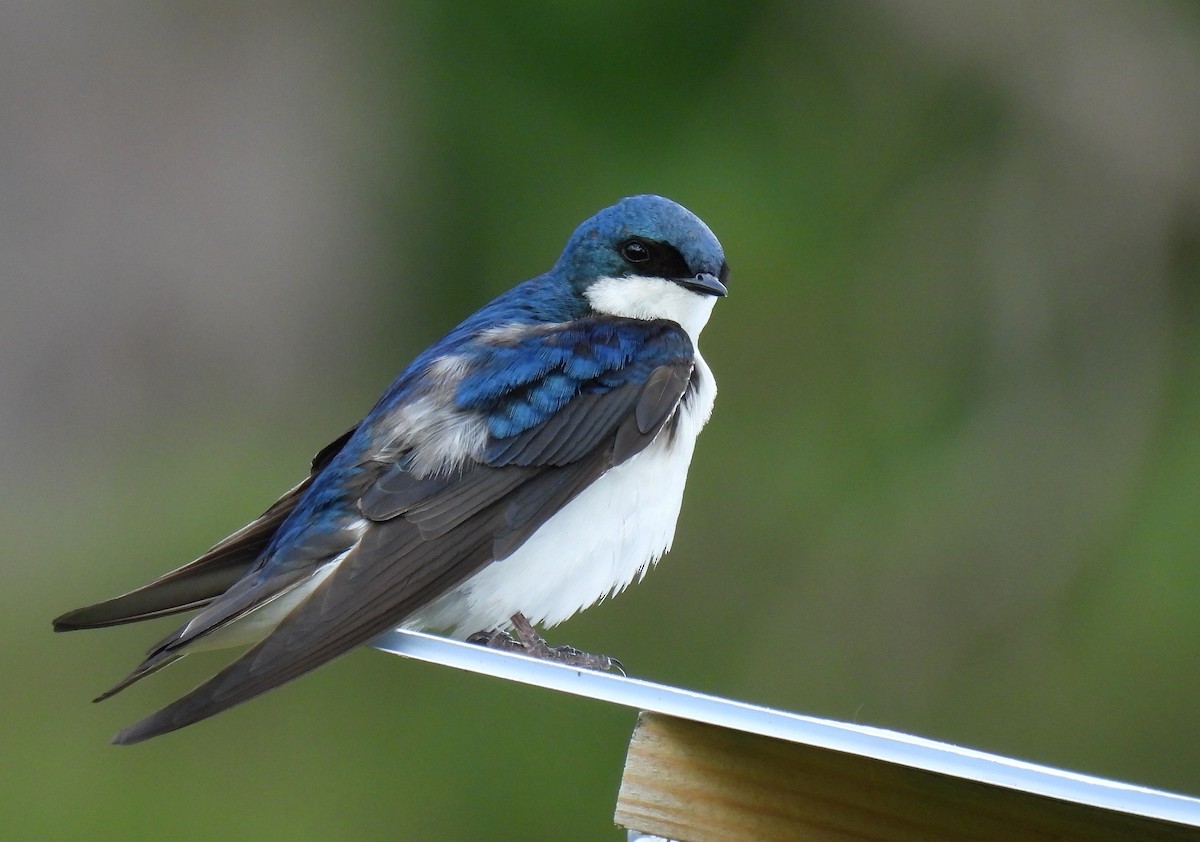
(705, 284)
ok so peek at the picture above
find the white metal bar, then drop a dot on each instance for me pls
(878, 743)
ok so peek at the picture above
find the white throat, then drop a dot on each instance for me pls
(639, 297)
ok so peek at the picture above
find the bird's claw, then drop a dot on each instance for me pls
(530, 643)
(497, 639)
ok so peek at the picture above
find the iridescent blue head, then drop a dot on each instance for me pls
(647, 257)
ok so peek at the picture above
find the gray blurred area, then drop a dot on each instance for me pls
(188, 197)
(952, 481)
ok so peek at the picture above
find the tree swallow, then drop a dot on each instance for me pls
(525, 466)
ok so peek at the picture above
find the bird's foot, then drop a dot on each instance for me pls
(529, 642)
(496, 639)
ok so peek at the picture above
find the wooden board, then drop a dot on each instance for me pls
(694, 782)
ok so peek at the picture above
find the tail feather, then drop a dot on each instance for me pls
(150, 665)
(180, 590)
(196, 583)
(199, 582)
(243, 599)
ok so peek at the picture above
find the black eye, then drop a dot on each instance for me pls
(635, 251)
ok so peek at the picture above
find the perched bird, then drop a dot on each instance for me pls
(525, 466)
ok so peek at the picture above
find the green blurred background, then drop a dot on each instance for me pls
(951, 485)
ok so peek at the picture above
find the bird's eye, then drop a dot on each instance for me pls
(635, 251)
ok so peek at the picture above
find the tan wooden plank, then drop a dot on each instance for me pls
(701, 783)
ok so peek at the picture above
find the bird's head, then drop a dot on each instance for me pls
(647, 257)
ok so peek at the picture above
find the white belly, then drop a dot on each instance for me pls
(600, 542)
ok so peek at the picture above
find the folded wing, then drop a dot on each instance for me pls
(602, 391)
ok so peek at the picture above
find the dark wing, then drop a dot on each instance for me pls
(601, 391)
(198, 582)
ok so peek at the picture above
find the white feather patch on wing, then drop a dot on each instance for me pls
(438, 436)
(514, 332)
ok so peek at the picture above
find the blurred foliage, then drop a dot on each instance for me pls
(951, 482)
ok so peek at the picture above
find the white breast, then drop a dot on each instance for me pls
(599, 543)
